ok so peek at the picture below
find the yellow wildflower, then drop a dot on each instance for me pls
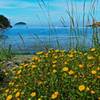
(11, 83)
(57, 50)
(6, 73)
(39, 53)
(81, 66)
(15, 90)
(9, 97)
(33, 66)
(75, 76)
(7, 90)
(18, 72)
(54, 70)
(98, 68)
(65, 62)
(93, 72)
(82, 87)
(92, 49)
(71, 72)
(54, 65)
(17, 94)
(18, 98)
(92, 92)
(85, 54)
(35, 58)
(39, 99)
(25, 65)
(90, 57)
(65, 69)
(70, 55)
(33, 94)
(46, 55)
(54, 95)
(98, 98)
(87, 89)
(21, 67)
(54, 62)
(55, 57)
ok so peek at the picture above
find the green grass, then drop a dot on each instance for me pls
(6, 54)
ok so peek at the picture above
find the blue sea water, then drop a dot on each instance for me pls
(30, 39)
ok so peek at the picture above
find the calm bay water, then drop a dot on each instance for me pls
(30, 39)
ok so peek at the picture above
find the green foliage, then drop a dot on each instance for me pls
(6, 54)
(57, 75)
(2, 76)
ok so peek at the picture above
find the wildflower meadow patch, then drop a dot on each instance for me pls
(56, 75)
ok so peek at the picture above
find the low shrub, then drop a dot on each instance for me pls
(56, 74)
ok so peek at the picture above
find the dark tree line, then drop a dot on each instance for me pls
(4, 22)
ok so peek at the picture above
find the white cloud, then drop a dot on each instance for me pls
(16, 4)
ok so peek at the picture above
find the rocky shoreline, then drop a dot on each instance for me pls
(16, 61)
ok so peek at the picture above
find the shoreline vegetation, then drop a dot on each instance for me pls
(95, 24)
(54, 74)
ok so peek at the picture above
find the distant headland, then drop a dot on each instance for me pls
(20, 23)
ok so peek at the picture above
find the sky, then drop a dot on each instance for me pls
(47, 12)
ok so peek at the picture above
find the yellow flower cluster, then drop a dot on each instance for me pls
(55, 95)
(9, 97)
(82, 87)
(33, 94)
(55, 70)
